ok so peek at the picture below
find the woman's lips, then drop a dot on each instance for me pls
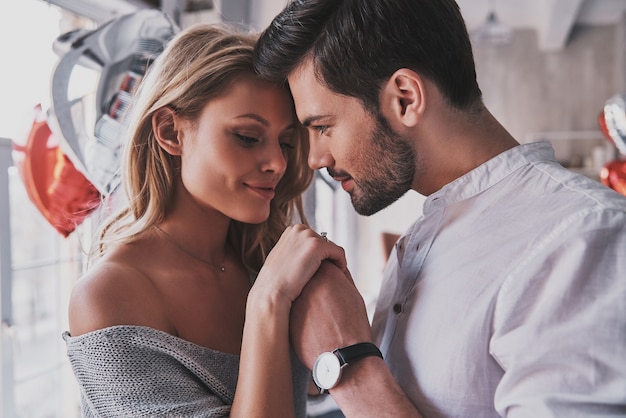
(267, 193)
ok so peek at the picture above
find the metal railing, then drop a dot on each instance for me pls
(37, 270)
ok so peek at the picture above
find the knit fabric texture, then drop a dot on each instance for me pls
(132, 371)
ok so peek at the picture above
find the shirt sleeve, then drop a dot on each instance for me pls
(560, 323)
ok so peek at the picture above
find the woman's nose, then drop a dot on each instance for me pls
(274, 159)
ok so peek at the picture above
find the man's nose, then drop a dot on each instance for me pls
(319, 155)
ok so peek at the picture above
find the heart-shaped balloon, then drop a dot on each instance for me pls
(613, 175)
(60, 192)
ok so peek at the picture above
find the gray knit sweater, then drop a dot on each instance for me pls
(131, 371)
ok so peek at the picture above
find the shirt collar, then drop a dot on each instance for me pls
(489, 173)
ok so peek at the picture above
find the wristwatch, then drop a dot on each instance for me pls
(328, 365)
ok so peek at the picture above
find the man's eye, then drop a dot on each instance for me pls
(321, 129)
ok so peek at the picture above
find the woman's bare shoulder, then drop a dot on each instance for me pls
(115, 291)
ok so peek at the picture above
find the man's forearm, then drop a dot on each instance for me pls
(367, 389)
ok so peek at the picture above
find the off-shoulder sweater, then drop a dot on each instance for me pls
(133, 371)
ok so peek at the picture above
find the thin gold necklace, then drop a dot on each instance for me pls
(167, 236)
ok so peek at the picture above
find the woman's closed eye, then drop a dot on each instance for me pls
(249, 141)
(246, 139)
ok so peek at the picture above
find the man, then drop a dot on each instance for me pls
(508, 296)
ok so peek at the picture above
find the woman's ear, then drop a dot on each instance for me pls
(403, 97)
(165, 130)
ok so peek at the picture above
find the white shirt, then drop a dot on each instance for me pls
(508, 296)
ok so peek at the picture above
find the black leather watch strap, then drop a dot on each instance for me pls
(348, 355)
(355, 352)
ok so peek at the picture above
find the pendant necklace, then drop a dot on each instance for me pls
(221, 266)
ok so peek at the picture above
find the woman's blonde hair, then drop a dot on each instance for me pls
(197, 66)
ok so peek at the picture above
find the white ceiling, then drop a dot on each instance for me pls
(552, 19)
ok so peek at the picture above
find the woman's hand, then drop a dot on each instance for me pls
(265, 370)
(296, 257)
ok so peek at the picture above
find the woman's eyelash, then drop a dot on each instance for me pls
(250, 140)
(246, 139)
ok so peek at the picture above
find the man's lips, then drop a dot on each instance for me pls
(347, 184)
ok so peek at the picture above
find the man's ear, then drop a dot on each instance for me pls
(403, 98)
(165, 130)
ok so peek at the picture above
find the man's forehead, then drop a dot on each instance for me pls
(303, 71)
(309, 95)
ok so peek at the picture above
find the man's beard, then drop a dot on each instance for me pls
(390, 173)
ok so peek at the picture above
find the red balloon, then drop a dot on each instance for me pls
(613, 175)
(59, 191)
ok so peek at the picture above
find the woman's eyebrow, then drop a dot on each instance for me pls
(254, 116)
(261, 120)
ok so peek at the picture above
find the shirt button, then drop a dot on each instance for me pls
(397, 308)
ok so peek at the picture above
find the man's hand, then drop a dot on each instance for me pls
(328, 314)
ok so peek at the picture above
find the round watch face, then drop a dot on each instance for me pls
(326, 370)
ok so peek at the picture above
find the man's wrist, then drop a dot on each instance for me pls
(368, 389)
(328, 367)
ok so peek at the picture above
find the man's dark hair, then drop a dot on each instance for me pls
(356, 45)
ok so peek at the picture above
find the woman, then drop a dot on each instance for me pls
(214, 168)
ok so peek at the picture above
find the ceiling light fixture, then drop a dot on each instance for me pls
(492, 31)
